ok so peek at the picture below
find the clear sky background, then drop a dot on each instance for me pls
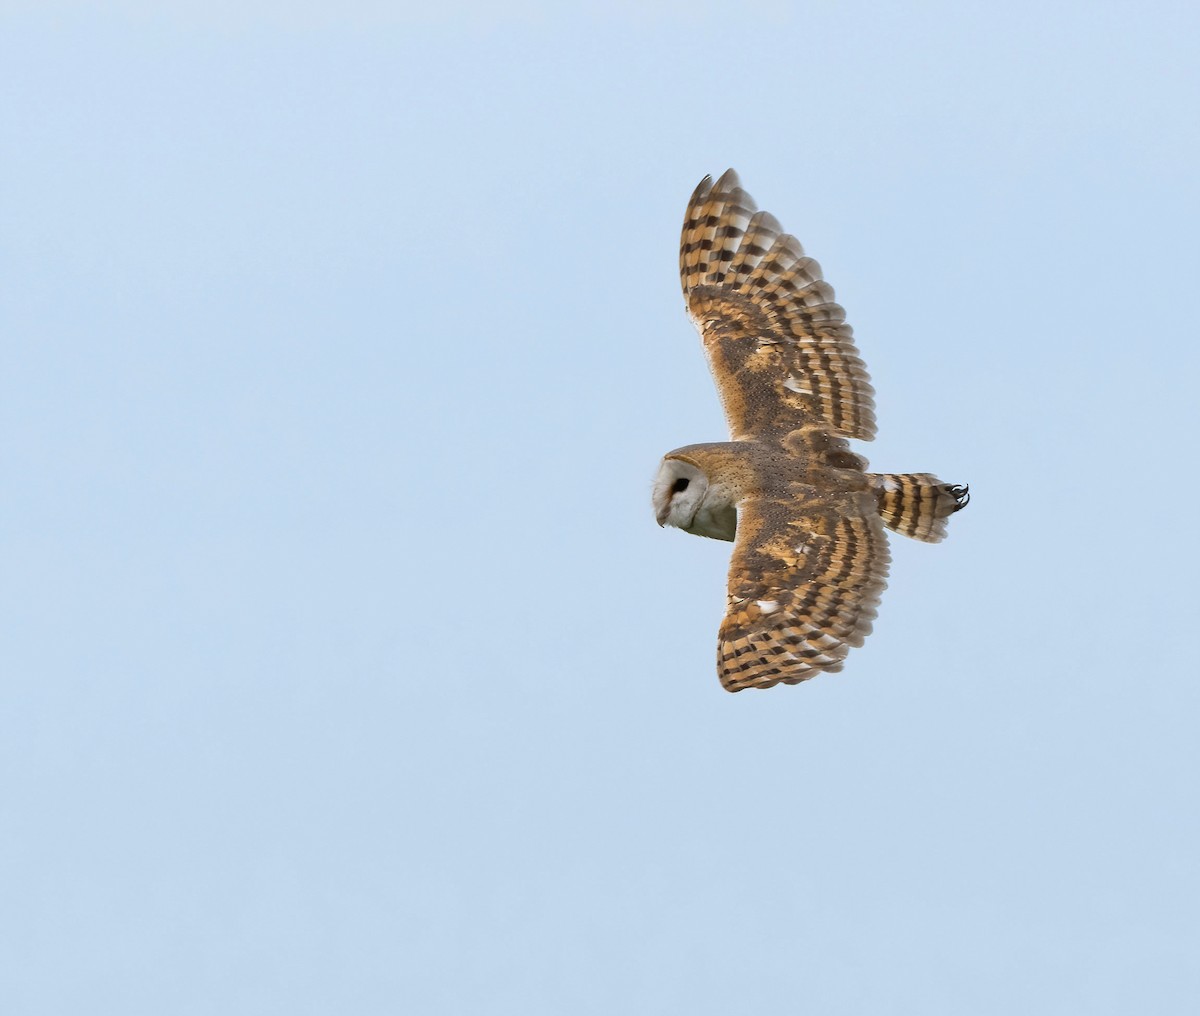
(344, 667)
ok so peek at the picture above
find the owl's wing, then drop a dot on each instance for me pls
(804, 585)
(779, 347)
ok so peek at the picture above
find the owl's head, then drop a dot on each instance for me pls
(679, 490)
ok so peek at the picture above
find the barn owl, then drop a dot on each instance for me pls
(806, 519)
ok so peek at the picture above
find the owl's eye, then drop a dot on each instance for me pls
(680, 485)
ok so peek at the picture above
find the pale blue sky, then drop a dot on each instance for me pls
(344, 667)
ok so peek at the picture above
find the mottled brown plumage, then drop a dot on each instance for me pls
(810, 558)
(779, 347)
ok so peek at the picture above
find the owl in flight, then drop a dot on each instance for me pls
(806, 519)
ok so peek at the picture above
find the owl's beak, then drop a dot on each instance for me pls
(661, 515)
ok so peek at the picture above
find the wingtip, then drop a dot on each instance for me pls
(729, 179)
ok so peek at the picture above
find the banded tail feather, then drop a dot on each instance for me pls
(917, 504)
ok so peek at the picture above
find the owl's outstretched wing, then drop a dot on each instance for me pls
(779, 347)
(804, 585)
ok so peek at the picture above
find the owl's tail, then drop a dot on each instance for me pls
(917, 504)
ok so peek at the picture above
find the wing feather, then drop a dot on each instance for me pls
(779, 347)
(804, 587)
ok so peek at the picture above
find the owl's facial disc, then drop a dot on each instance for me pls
(678, 491)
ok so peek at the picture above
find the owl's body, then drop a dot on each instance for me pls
(810, 558)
